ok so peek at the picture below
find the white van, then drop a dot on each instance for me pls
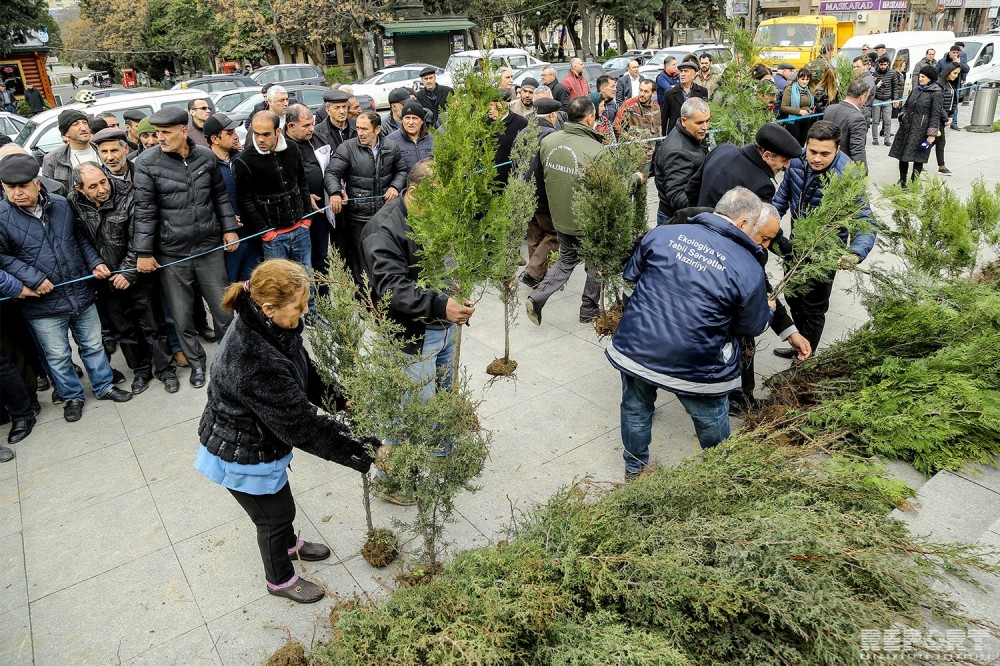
(911, 45)
(983, 52)
(721, 55)
(514, 58)
(41, 134)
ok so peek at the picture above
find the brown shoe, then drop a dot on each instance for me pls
(180, 359)
(303, 592)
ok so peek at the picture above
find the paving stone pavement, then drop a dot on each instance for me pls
(114, 550)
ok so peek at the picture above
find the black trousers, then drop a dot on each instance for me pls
(136, 319)
(319, 239)
(939, 144)
(207, 273)
(748, 380)
(808, 308)
(15, 394)
(273, 515)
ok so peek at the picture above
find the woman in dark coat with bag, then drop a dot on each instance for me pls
(919, 123)
(261, 403)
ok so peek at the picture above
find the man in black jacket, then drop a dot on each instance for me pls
(888, 87)
(33, 97)
(559, 93)
(300, 130)
(272, 192)
(512, 124)
(104, 209)
(753, 167)
(542, 238)
(182, 209)
(432, 96)
(363, 174)
(679, 156)
(673, 99)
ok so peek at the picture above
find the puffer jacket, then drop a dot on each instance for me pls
(802, 189)
(365, 177)
(271, 187)
(699, 288)
(10, 286)
(390, 258)
(57, 250)
(564, 154)
(890, 87)
(181, 204)
(109, 227)
(413, 151)
(262, 395)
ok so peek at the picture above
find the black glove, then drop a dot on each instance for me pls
(363, 456)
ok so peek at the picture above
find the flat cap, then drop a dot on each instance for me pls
(506, 94)
(335, 97)
(169, 116)
(529, 82)
(134, 115)
(146, 127)
(218, 122)
(428, 70)
(108, 134)
(412, 108)
(397, 95)
(688, 65)
(778, 140)
(786, 65)
(18, 169)
(68, 117)
(546, 105)
(879, 46)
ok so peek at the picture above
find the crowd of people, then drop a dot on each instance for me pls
(129, 238)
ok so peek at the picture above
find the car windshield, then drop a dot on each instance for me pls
(228, 102)
(22, 136)
(456, 63)
(787, 34)
(972, 50)
(533, 72)
(375, 77)
(660, 57)
(246, 106)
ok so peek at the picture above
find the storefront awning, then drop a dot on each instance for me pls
(428, 27)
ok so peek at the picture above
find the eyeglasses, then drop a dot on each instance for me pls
(201, 108)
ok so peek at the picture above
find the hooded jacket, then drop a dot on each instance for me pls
(563, 155)
(271, 186)
(109, 226)
(699, 288)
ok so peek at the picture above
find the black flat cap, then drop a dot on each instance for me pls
(335, 97)
(775, 138)
(134, 115)
(412, 108)
(169, 116)
(786, 65)
(546, 105)
(18, 169)
(688, 65)
(428, 70)
(529, 83)
(218, 122)
(108, 134)
(397, 95)
(506, 94)
(879, 46)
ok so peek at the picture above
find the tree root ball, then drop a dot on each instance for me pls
(290, 654)
(501, 367)
(419, 575)
(606, 323)
(381, 548)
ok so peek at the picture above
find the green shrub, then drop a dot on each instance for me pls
(609, 54)
(336, 75)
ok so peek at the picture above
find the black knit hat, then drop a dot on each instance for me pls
(412, 108)
(930, 71)
(68, 117)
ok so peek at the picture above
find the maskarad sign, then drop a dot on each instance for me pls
(834, 6)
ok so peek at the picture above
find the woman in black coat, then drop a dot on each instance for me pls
(261, 403)
(949, 82)
(919, 123)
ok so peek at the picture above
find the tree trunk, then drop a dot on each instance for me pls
(507, 302)
(600, 35)
(277, 48)
(367, 498)
(620, 32)
(458, 358)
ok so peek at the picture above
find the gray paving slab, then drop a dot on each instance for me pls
(13, 584)
(952, 508)
(15, 637)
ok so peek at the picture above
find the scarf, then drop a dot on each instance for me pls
(797, 91)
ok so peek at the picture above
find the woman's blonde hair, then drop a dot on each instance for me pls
(275, 281)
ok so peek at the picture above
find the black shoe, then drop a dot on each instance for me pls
(311, 552)
(110, 345)
(78, 370)
(140, 383)
(302, 592)
(117, 377)
(887, 142)
(171, 384)
(588, 318)
(534, 312)
(207, 334)
(21, 429)
(56, 398)
(530, 281)
(741, 403)
(117, 395)
(197, 376)
(6, 455)
(73, 410)
(42, 383)
(35, 406)
(785, 352)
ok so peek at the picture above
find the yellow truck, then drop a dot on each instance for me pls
(800, 39)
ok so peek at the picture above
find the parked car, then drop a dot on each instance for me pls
(311, 96)
(642, 55)
(591, 70)
(225, 100)
(721, 55)
(616, 63)
(11, 124)
(514, 58)
(984, 59)
(213, 82)
(379, 85)
(41, 133)
(286, 75)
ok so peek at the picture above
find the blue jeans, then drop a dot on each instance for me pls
(662, 219)
(433, 366)
(241, 262)
(710, 415)
(52, 334)
(296, 246)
